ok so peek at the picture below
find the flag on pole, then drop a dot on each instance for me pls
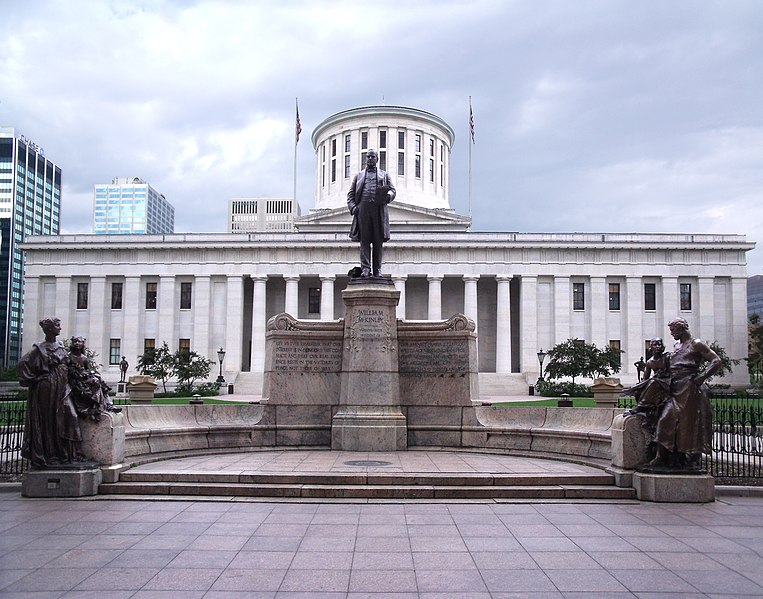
(471, 119)
(297, 126)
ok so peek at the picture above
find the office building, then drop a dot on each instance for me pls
(131, 207)
(30, 204)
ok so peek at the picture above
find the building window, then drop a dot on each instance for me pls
(401, 164)
(383, 161)
(615, 344)
(82, 292)
(149, 345)
(417, 142)
(685, 296)
(184, 346)
(314, 300)
(364, 140)
(363, 156)
(417, 166)
(347, 166)
(150, 296)
(431, 170)
(382, 138)
(116, 296)
(347, 143)
(614, 296)
(578, 296)
(401, 140)
(115, 351)
(186, 293)
(650, 296)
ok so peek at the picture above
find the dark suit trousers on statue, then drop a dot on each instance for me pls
(371, 225)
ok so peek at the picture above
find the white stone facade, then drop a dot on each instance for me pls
(522, 290)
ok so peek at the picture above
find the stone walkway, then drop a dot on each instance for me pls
(236, 548)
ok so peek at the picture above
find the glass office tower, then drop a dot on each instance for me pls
(30, 204)
(131, 206)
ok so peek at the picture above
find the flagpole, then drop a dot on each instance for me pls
(297, 131)
(471, 142)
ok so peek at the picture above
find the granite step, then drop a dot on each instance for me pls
(369, 486)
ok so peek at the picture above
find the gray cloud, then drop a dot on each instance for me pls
(590, 116)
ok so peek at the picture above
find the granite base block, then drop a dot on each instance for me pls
(61, 483)
(674, 488)
(361, 429)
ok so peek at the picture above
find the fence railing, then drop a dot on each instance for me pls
(12, 414)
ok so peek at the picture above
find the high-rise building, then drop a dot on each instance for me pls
(131, 206)
(30, 204)
(755, 295)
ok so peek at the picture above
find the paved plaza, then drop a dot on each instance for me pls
(143, 548)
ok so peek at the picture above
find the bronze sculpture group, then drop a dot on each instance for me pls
(674, 400)
(63, 387)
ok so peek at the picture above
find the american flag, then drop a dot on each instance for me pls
(471, 119)
(297, 127)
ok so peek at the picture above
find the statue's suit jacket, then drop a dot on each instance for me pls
(383, 185)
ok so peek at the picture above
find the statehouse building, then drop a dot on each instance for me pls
(525, 291)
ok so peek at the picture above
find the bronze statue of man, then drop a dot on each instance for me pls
(370, 192)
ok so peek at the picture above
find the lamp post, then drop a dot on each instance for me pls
(541, 357)
(220, 358)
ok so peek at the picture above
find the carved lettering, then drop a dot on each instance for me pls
(306, 355)
(441, 355)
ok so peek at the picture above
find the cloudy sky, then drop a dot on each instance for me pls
(591, 115)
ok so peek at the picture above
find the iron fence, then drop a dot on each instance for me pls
(12, 414)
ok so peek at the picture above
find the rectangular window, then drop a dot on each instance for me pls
(383, 138)
(383, 161)
(431, 147)
(417, 143)
(115, 351)
(614, 296)
(150, 296)
(347, 143)
(186, 292)
(578, 296)
(431, 170)
(333, 147)
(363, 160)
(615, 344)
(314, 300)
(417, 166)
(364, 140)
(685, 296)
(149, 345)
(400, 164)
(650, 296)
(333, 170)
(184, 346)
(82, 292)
(401, 140)
(116, 296)
(347, 166)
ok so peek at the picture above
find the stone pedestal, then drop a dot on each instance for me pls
(104, 441)
(674, 488)
(64, 482)
(369, 417)
(141, 389)
(606, 391)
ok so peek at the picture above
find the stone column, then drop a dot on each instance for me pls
(234, 319)
(63, 309)
(369, 417)
(399, 281)
(292, 296)
(529, 324)
(470, 299)
(327, 297)
(737, 341)
(634, 313)
(32, 317)
(132, 341)
(96, 335)
(706, 311)
(562, 308)
(435, 297)
(503, 326)
(599, 306)
(166, 306)
(202, 316)
(259, 323)
(670, 306)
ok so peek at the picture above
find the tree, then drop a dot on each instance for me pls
(575, 357)
(190, 367)
(158, 363)
(755, 349)
(726, 362)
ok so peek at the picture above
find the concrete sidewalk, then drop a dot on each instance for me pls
(142, 549)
